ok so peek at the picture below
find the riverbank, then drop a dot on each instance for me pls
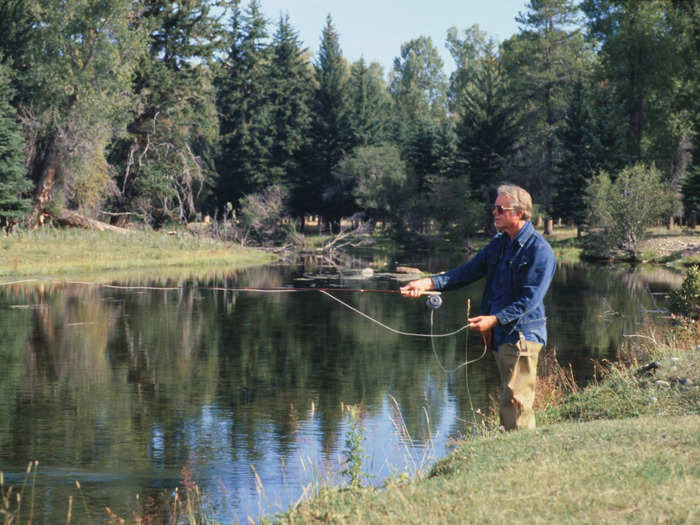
(68, 254)
(622, 450)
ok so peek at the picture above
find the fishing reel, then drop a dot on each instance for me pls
(433, 302)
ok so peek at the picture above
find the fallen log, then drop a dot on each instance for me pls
(76, 220)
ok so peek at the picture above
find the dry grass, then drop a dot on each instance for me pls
(54, 253)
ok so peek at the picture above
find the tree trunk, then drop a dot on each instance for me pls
(692, 220)
(669, 225)
(45, 176)
(549, 227)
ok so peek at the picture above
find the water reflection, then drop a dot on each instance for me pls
(121, 388)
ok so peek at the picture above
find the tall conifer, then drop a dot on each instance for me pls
(290, 85)
(13, 183)
(330, 130)
(244, 108)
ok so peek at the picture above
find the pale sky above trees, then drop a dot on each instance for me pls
(375, 29)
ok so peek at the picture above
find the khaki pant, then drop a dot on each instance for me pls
(517, 364)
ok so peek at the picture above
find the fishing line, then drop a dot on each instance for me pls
(389, 328)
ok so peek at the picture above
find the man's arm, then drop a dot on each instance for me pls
(470, 271)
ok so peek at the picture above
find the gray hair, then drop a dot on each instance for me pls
(519, 198)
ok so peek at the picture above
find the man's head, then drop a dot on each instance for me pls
(513, 206)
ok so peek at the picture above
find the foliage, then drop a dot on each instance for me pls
(542, 62)
(624, 208)
(418, 84)
(165, 110)
(244, 108)
(686, 299)
(454, 209)
(639, 55)
(330, 130)
(263, 214)
(488, 129)
(354, 456)
(691, 191)
(369, 104)
(13, 184)
(376, 178)
(579, 157)
(290, 90)
(466, 54)
(163, 163)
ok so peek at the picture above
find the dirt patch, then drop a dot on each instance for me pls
(663, 245)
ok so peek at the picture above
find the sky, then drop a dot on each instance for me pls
(375, 29)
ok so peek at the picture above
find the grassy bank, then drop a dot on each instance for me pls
(636, 471)
(622, 450)
(53, 253)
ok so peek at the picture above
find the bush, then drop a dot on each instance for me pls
(263, 214)
(622, 208)
(686, 299)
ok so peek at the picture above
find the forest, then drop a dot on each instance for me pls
(158, 112)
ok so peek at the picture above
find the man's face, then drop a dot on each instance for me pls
(510, 218)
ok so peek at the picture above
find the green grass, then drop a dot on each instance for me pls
(56, 253)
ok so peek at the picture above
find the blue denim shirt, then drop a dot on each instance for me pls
(518, 274)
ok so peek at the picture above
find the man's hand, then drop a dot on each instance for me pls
(482, 323)
(417, 287)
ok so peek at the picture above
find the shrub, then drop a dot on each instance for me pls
(686, 299)
(263, 214)
(623, 207)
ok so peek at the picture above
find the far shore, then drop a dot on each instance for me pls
(57, 254)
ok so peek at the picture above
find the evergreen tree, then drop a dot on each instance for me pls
(16, 23)
(290, 80)
(542, 62)
(14, 186)
(369, 104)
(487, 129)
(330, 131)
(243, 100)
(578, 162)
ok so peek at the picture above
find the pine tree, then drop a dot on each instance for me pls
(243, 101)
(369, 104)
(330, 131)
(13, 184)
(487, 130)
(289, 79)
(543, 60)
(578, 161)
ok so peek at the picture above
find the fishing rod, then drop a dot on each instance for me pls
(313, 289)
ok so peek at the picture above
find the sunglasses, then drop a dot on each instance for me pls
(500, 209)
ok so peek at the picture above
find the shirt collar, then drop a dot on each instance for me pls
(524, 234)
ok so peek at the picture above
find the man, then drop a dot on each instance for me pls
(518, 265)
